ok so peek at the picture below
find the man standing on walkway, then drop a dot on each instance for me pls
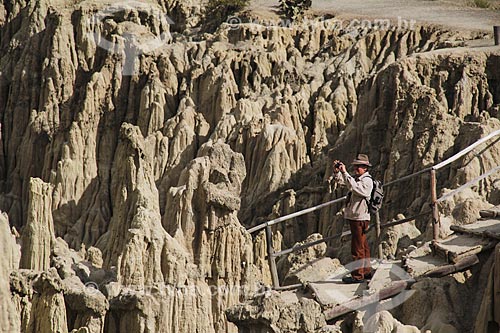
(356, 213)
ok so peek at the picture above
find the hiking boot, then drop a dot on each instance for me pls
(351, 280)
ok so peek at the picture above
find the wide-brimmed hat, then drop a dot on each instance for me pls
(362, 159)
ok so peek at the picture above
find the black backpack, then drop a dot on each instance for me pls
(376, 197)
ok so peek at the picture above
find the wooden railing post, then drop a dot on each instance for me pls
(271, 258)
(434, 207)
(378, 233)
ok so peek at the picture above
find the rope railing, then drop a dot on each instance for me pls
(447, 161)
(466, 150)
(468, 184)
(434, 207)
(316, 242)
(348, 233)
(292, 215)
(407, 177)
(401, 221)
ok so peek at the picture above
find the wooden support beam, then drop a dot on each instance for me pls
(378, 234)
(316, 242)
(434, 206)
(289, 287)
(454, 257)
(271, 258)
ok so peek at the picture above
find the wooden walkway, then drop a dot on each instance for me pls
(456, 253)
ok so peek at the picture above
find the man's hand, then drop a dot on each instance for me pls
(338, 166)
(335, 165)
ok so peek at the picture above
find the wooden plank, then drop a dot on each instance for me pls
(490, 213)
(462, 265)
(483, 228)
(421, 265)
(486, 247)
(381, 278)
(486, 233)
(456, 247)
(393, 289)
(421, 260)
(333, 293)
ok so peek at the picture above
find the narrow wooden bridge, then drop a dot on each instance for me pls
(455, 253)
(435, 258)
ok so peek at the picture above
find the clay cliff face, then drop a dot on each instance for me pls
(131, 193)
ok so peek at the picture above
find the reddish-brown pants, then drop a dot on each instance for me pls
(360, 249)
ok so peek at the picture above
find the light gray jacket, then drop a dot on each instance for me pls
(361, 190)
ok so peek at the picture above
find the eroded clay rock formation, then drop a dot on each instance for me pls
(48, 299)
(136, 239)
(38, 234)
(296, 313)
(488, 318)
(201, 214)
(384, 322)
(308, 265)
(9, 261)
(139, 174)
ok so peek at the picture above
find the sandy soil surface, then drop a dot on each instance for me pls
(457, 14)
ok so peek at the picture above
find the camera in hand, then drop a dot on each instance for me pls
(337, 165)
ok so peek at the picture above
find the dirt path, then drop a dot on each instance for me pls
(456, 14)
